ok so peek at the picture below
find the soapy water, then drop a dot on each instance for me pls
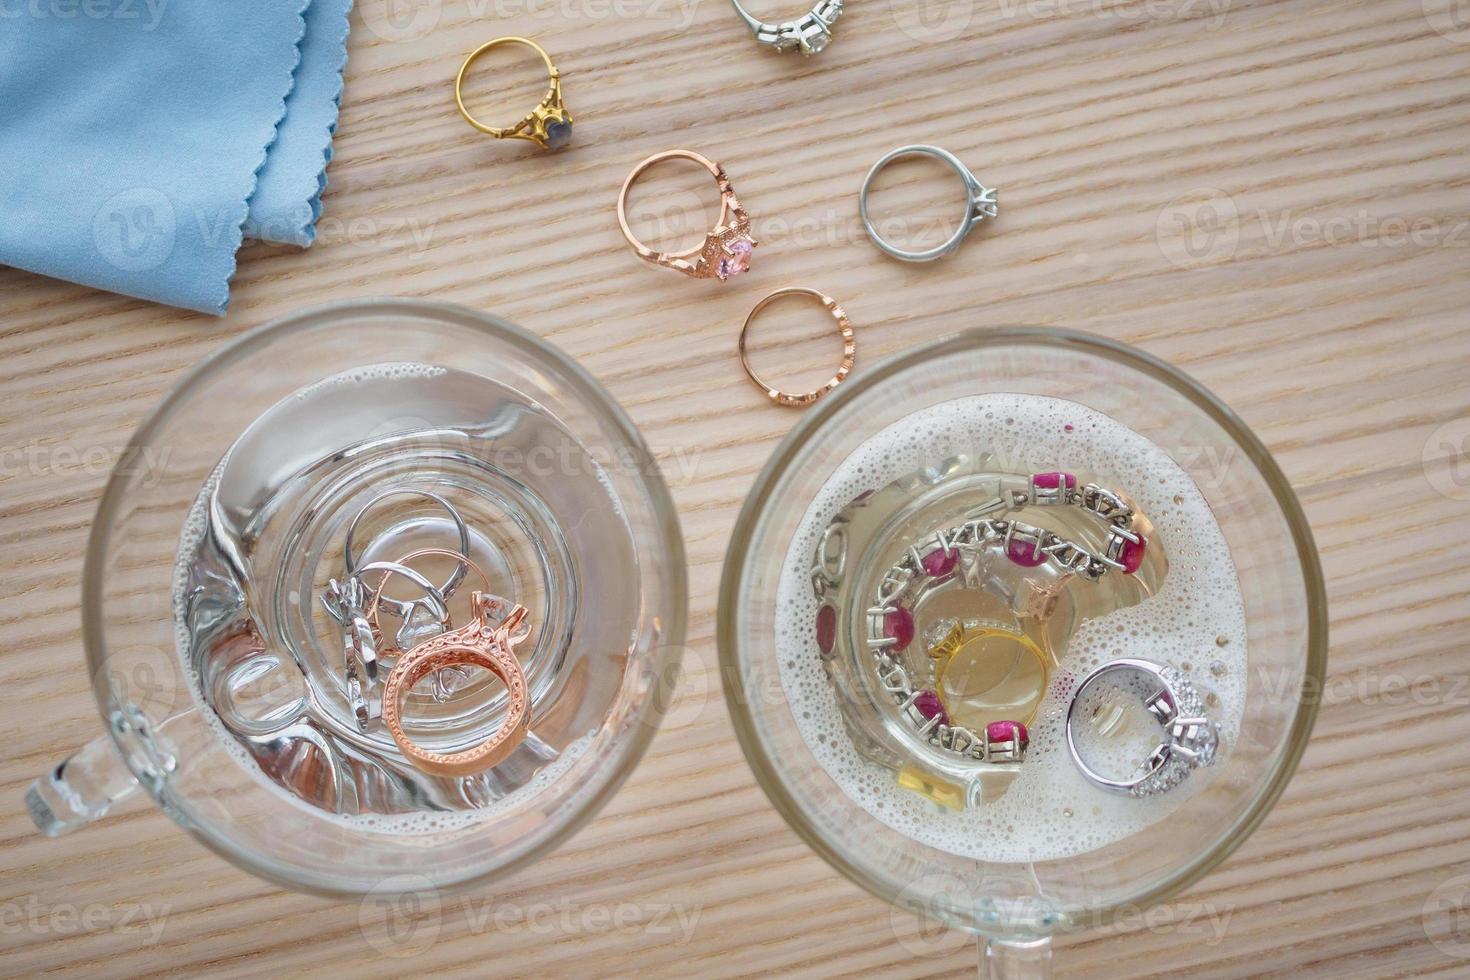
(1194, 623)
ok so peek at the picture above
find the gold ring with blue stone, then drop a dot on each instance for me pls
(549, 125)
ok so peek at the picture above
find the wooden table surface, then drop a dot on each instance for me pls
(1272, 194)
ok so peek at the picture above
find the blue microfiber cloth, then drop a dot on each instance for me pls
(141, 140)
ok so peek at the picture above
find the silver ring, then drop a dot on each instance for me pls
(401, 608)
(344, 602)
(434, 599)
(412, 628)
(809, 33)
(1190, 739)
(981, 203)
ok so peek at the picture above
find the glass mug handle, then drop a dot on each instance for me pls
(1002, 959)
(86, 785)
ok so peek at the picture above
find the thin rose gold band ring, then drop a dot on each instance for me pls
(849, 348)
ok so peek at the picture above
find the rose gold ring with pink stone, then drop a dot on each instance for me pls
(727, 247)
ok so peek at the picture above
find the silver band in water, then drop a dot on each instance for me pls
(981, 203)
(401, 608)
(363, 649)
(346, 602)
(1190, 739)
(809, 33)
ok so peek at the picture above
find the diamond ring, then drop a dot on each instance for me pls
(809, 33)
(1190, 739)
(981, 203)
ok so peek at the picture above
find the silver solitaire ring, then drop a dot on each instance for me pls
(1190, 739)
(980, 203)
(809, 33)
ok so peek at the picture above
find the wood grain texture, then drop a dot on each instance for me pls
(1321, 290)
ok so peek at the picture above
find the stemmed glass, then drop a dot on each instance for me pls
(1017, 907)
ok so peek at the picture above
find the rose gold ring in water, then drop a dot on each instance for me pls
(726, 250)
(849, 348)
(475, 644)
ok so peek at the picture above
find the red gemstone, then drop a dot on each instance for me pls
(826, 628)
(929, 705)
(1131, 556)
(1007, 731)
(898, 623)
(1027, 554)
(939, 562)
(1050, 481)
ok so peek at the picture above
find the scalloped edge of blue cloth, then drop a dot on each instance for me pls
(284, 209)
(222, 304)
(331, 130)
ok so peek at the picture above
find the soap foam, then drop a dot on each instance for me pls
(1195, 623)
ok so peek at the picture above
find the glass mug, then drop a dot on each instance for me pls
(1016, 907)
(162, 739)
